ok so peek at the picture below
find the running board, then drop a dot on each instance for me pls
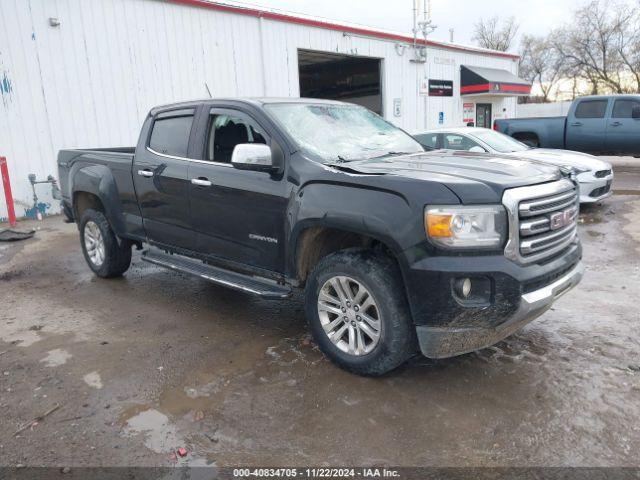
(238, 281)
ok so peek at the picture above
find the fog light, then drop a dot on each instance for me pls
(466, 287)
(463, 287)
(472, 291)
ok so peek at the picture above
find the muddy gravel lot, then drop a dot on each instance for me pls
(155, 361)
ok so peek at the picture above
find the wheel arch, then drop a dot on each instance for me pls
(525, 136)
(315, 240)
(95, 187)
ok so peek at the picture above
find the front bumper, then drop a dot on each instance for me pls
(443, 342)
(594, 189)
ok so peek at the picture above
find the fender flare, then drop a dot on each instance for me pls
(318, 206)
(98, 180)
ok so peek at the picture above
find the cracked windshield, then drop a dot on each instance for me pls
(336, 133)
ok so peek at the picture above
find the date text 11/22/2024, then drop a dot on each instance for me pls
(315, 473)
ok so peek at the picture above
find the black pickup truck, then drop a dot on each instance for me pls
(396, 248)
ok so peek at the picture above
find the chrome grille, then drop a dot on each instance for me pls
(543, 220)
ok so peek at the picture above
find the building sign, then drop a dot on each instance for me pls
(397, 107)
(444, 61)
(424, 87)
(441, 118)
(468, 112)
(440, 88)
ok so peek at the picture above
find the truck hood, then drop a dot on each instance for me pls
(473, 177)
(562, 158)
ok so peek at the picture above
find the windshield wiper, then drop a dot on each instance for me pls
(388, 154)
(340, 159)
(337, 162)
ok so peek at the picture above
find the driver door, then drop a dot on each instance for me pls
(237, 215)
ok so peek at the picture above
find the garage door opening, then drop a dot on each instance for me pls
(341, 77)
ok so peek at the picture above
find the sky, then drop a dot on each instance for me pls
(534, 16)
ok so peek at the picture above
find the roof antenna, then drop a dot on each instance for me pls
(208, 91)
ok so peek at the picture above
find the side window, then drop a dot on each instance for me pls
(457, 142)
(171, 135)
(591, 109)
(429, 140)
(227, 131)
(623, 108)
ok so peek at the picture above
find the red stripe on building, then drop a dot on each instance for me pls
(281, 17)
(491, 88)
(480, 88)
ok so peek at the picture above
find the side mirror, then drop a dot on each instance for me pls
(252, 156)
(635, 111)
(477, 149)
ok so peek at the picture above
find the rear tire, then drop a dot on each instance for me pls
(104, 255)
(352, 282)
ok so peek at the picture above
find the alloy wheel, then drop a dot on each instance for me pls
(349, 315)
(94, 243)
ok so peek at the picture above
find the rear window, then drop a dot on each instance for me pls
(591, 109)
(170, 136)
(623, 108)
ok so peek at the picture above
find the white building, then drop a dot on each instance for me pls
(80, 73)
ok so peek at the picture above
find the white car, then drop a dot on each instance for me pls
(595, 176)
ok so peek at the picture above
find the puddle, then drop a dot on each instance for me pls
(56, 357)
(177, 402)
(290, 351)
(19, 328)
(131, 411)
(205, 390)
(160, 434)
(93, 380)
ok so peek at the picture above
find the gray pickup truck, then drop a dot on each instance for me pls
(395, 248)
(595, 124)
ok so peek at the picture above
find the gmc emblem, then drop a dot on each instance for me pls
(561, 219)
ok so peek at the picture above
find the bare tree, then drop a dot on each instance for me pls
(628, 46)
(541, 63)
(495, 34)
(601, 46)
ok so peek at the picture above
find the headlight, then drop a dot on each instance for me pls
(578, 170)
(456, 226)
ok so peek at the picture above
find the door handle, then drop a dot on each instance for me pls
(145, 173)
(576, 124)
(616, 124)
(201, 182)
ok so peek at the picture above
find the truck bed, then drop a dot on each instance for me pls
(118, 160)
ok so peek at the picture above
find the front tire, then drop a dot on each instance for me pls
(104, 255)
(358, 312)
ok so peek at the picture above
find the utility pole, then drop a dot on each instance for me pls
(424, 26)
